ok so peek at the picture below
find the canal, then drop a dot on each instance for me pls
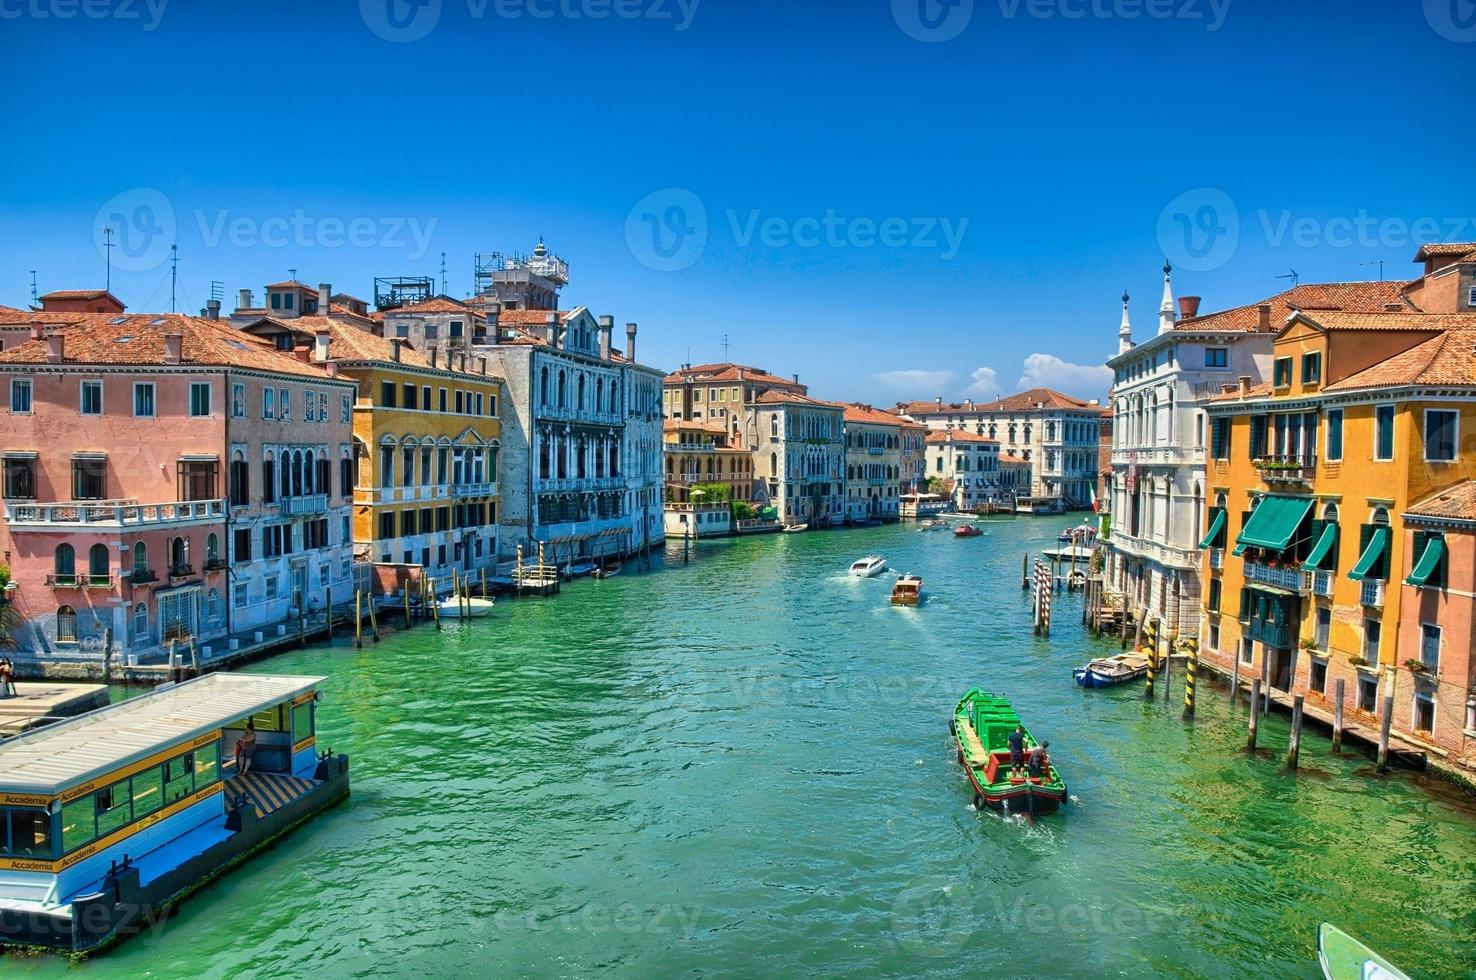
(742, 766)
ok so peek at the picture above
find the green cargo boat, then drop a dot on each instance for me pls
(982, 723)
(1345, 958)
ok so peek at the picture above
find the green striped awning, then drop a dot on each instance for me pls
(1217, 526)
(1321, 549)
(1274, 522)
(1369, 560)
(1429, 562)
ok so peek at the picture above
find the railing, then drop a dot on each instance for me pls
(118, 513)
(214, 564)
(181, 571)
(555, 484)
(57, 580)
(473, 489)
(1217, 558)
(1322, 584)
(1286, 469)
(1371, 593)
(691, 447)
(143, 576)
(1272, 634)
(874, 450)
(312, 503)
(1293, 578)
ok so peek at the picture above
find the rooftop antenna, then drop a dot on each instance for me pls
(217, 289)
(443, 273)
(1292, 275)
(725, 348)
(173, 274)
(35, 299)
(1380, 264)
(292, 274)
(108, 252)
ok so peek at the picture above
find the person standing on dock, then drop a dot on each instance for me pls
(7, 678)
(245, 745)
(1017, 750)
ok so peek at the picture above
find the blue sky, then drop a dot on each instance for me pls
(836, 187)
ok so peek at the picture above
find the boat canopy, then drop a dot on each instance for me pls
(1216, 529)
(1322, 549)
(1274, 522)
(1429, 564)
(1372, 556)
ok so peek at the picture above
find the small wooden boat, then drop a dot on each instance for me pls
(464, 607)
(907, 591)
(1344, 958)
(1107, 671)
(868, 567)
(867, 522)
(966, 531)
(795, 528)
(607, 571)
(982, 723)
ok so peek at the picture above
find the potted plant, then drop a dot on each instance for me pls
(1358, 661)
(1310, 645)
(1416, 666)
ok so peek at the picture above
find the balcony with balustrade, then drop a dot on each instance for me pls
(460, 490)
(1371, 593)
(305, 504)
(1284, 576)
(1287, 469)
(104, 515)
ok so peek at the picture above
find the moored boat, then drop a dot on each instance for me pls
(1107, 671)
(1344, 958)
(607, 571)
(464, 607)
(907, 591)
(982, 723)
(869, 566)
(795, 528)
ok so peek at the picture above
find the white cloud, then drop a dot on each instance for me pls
(917, 383)
(986, 384)
(1081, 380)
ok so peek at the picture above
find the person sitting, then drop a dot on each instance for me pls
(245, 745)
(1040, 762)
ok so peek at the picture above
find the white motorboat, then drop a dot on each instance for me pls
(464, 607)
(868, 567)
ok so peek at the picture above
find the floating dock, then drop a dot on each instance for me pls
(42, 703)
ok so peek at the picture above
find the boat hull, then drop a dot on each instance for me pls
(1092, 678)
(466, 609)
(987, 761)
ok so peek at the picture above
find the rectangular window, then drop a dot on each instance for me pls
(1384, 432)
(1220, 438)
(284, 404)
(425, 397)
(239, 595)
(1334, 434)
(346, 410)
(1373, 631)
(269, 403)
(79, 823)
(409, 390)
(89, 479)
(387, 394)
(479, 403)
(407, 523)
(492, 406)
(143, 400)
(1317, 677)
(179, 777)
(241, 544)
(1213, 602)
(92, 398)
(1430, 646)
(199, 400)
(20, 479)
(1312, 368)
(458, 401)
(1368, 694)
(1282, 372)
(1440, 434)
(1322, 628)
(114, 807)
(20, 395)
(1246, 654)
(443, 399)
(238, 401)
(1216, 357)
(387, 524)
(1424, 712)
(148, 791)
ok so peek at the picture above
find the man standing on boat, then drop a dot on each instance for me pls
(1017, 750)
(1040, 763)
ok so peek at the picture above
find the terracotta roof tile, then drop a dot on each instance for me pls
(792, 398)
(77, 294)
(1454, 503)
(1408, 320)
(290, 283)
(938, 436)
(1446, 359)
(1368, 297)
(728, 372)
(856, 412)
(438, 304)
(1436, 249)
(1017, 460)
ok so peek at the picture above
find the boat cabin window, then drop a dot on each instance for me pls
(25, 832)
(113, 807)
(302, 720)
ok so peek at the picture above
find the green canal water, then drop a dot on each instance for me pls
(742, 766)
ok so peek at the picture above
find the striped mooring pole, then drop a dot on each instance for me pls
(1152, 665)
(1191, 670)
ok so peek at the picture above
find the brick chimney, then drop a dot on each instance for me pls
(37, 330)
(173, 348)
(430, 354)
(212, 309)
(1264, 325)
(1245, 386)
(243, 299)
(551, 330)
(395, 344)
(321, 340)
(607, 328)
(630, 342)
(55, 344)
(325, 297)
(1188, 307)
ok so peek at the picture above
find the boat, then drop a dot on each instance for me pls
(463, 607)
(1344, 958)
(1107, 671)
(607, 571)
(795, 528)
(907, 591)
(982, 723)
(868, 567)
(966, 531)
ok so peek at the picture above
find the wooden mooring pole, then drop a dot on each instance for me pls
(1337, 732)
(358, 619)
(435, 606)
(1025, 572)
(1255, 715)
(1190, 678)
(373, 616)
(1295, 749)
(1234, 677)
(1384, 733)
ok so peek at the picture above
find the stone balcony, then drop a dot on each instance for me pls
(112, 514)
(1289, 577)
(1159, 455)
(1286, 469)
(459, 490)
(311, 503)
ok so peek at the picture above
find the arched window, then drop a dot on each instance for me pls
(563, 390)
(1380, 516)
(774, 464)
(543, 387)
(140, 621)
(309, 471)
(140, 559)
(269, 478)
(1330, 513)
(286, 474)
(296, 471)
(212, 547)
(97, 563)
(599, 393)
(179, 555)
(66, 625)
(614, 399)
(65, 564)
(346, 477)
(581, 392)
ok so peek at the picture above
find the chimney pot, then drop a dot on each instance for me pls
(1265, 317)
(430, 350)
(321, 340)
(55, 344)
(1245, 385)
(630, 342)
(173, 348)
(243, 299)
(395, 344)
(212, 309)
(325, 294)
(37, 330)
(1188, 307)
(607, 328)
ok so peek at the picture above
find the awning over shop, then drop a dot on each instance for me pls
(1369, 560)
(1322, 549)
(1274, 522)
(1216, 528)
(1428, 563)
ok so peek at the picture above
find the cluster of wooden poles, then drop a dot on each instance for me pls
(420, 599)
